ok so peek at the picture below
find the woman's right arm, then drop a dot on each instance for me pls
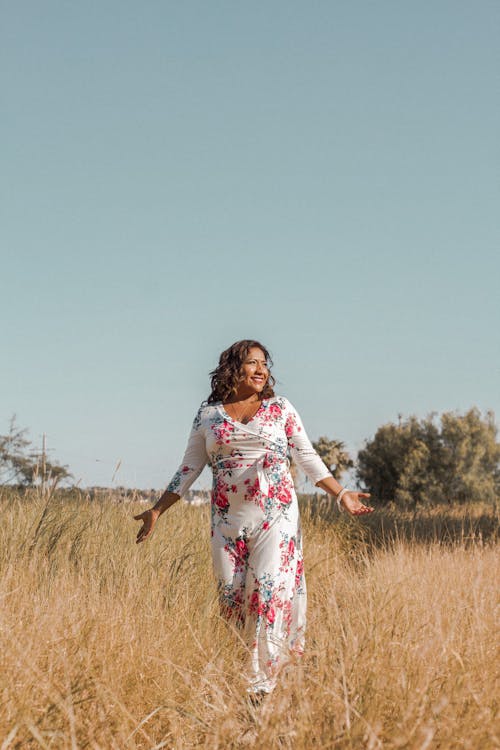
(150, 517)
(195, 459)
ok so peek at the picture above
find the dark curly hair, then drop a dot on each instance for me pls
(226, 376)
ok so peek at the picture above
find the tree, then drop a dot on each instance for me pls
(470, 455)
(332, 453)
(21, 464)
(334, 456)
(415, 461)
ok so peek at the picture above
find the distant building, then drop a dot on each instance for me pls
(197, 497)
(124, 494)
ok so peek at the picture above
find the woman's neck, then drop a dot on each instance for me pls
(242, 396)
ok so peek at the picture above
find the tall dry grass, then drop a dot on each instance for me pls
(104, 644)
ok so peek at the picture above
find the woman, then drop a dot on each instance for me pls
(245, 432)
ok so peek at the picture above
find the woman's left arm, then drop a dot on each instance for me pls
(312, 465)
(350, 499)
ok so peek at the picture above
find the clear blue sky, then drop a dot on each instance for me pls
(176, 176)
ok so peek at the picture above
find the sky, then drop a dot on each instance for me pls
(322, 177)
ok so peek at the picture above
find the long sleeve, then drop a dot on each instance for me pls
(195, 458)
(300, 447)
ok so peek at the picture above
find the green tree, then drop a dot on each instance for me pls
(470, 456)
(21, 464)
(334, 456)
(419, 461)
(332, 453)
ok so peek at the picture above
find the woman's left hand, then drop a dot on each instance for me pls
(353, 505)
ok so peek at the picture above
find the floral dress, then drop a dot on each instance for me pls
(255, 524)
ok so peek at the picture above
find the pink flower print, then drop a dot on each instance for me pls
(234, 488)
(265, 525)
(291, 547)
(271, 614)
(289, 425)
(275, 411)
(222, 431)
(254, 602)
(185, 469)
(284, 495)
(285, 555)
(253, 490)
(269, 461)
(287, 615)
(241, 548)
(271, 414)
(299, 573)
(221, 501)
(256, 605)
(220, 496)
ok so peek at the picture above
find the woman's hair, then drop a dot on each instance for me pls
(226, 376)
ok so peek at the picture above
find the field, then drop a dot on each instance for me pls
(105, 644)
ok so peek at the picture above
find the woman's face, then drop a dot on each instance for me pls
(254, 372)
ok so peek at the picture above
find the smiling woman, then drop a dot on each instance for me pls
(244, 431)
(246, 365)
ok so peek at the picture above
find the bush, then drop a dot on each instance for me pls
(421, 461)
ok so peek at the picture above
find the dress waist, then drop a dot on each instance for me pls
(263, 465)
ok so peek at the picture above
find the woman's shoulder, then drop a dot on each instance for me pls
(282, 401)
(203, 412)
(207, 409)
(279, 402)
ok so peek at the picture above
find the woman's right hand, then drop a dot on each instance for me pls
(149, 519)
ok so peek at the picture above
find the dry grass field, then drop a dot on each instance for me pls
(105, 644)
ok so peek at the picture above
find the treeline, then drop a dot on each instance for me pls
(449, 458)
(24, 465)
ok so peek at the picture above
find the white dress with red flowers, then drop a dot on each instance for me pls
(256, 535)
